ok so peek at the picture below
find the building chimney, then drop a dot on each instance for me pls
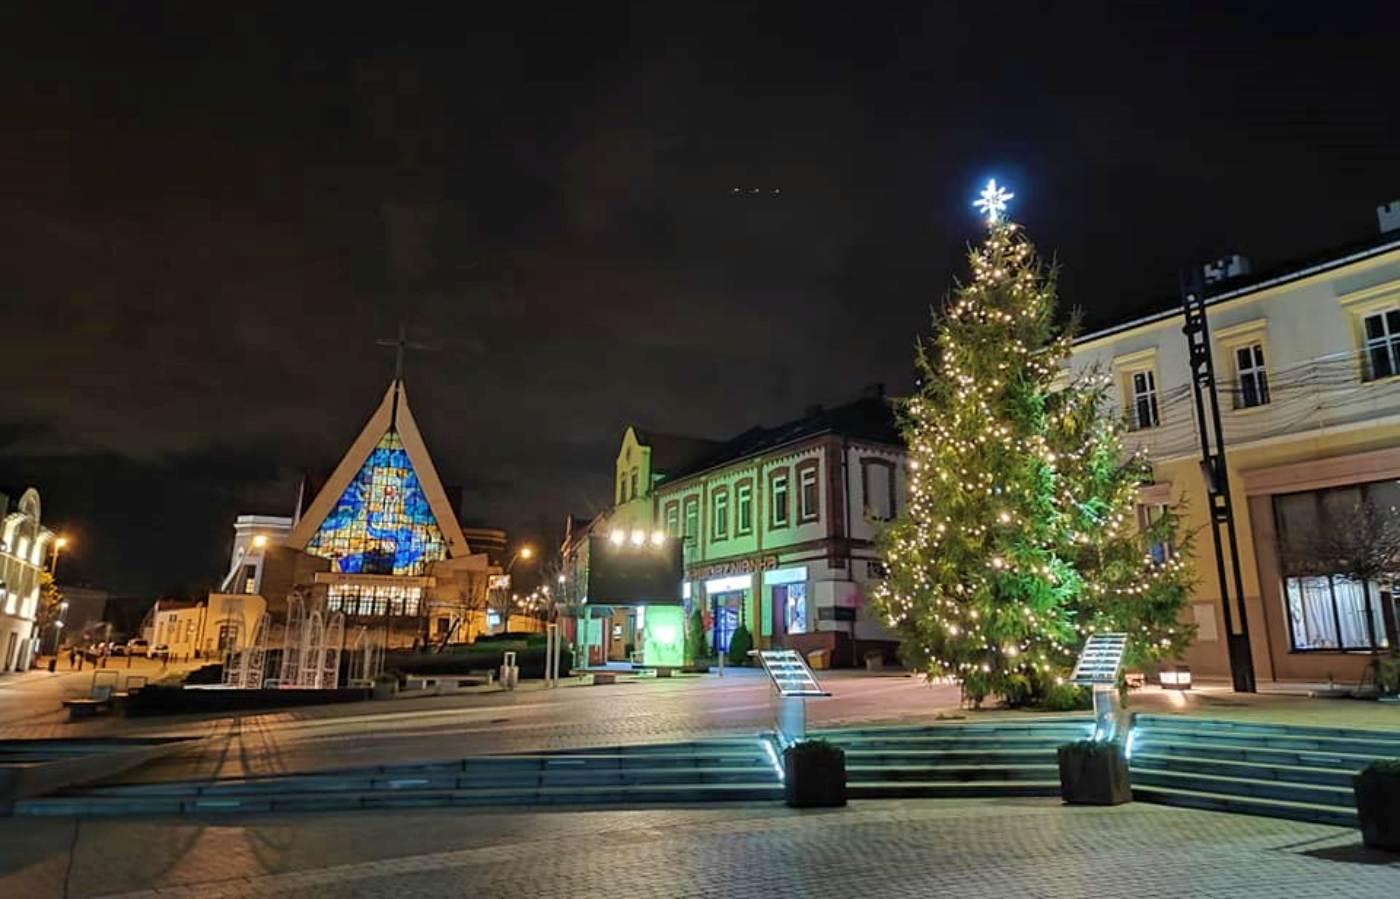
(1388, 216)
(1225, 268)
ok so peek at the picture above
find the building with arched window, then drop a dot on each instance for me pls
(24, 544)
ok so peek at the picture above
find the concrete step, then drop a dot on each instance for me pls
(936, 757)
(1259, 788)
(1150, 761)
(952, 773)
(1345, 761)
(293, 801)
(941, 742)
(1322, 745)
(1217, 725)
(1050, 727)
(1246, 805)
(874, 789)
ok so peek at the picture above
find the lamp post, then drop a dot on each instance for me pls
(58, 544)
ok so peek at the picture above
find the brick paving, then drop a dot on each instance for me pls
(915, 848)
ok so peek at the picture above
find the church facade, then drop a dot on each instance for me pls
(378, 542)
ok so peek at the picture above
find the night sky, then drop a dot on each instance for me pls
(208, 219)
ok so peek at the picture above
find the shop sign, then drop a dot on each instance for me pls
(733, 567)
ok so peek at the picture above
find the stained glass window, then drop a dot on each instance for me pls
(382, 524)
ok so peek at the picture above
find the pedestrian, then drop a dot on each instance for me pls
(72, 657)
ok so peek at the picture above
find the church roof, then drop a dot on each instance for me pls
(384, 505)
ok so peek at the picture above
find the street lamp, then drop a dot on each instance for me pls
(58, 544)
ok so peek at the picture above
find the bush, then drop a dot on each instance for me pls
(530, 660)
(696, 646)
(1065, 698)
(1388, 675)
(206, 674)
(739, 646)
(1385, 767)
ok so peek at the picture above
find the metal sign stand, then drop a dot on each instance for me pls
(1098, 667)
(794, 682)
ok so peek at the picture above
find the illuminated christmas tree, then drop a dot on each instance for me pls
(1021, 534)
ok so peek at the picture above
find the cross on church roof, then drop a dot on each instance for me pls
(400, 344)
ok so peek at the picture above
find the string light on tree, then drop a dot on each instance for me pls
(1016, 541)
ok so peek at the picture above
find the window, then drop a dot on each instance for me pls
(1149, 514)
(778, 502)
(743, 508)
(877, 484)
(622, 488)
(1382, 344)
(1253, 387)
(720, 513)
(673, 519)
(250, 579)
(1328, 608)
(1335, 612)
(1143, 411)
(692, 518)
(808, 499)
(795, 609)
(633, 482)
(383, 522)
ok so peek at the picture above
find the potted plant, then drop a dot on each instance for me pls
(1378, 804)
(386, 685)
(1094, 772)
(814, 775)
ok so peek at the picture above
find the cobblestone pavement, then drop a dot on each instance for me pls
(452, 727)
(915, 848)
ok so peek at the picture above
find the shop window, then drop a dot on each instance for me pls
(778, 498)
(1382, 344)
(808, 498)
(719, 514)
(795, 610)
(1253, 381)
(1319, 531)
(743, 508)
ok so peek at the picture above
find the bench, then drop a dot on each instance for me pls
(446, 682)
(83, 707)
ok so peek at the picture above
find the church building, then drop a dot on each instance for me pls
(378, 541)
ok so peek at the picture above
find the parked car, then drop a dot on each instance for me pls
(137, 647)
(114, 649)
(159, 651)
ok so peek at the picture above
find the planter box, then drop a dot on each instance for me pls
(1094, 777)
(1378, 809)
(814, 779)
(386, 689)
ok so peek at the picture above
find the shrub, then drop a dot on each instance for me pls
(1091, 747)
(739, 646)
(206, 674)
(1385, 767)
(696, 646)
(1065, 698)
(813, 748)
(530, 660)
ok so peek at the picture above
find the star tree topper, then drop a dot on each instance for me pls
(992, 202)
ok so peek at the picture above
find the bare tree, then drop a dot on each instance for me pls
(1366, 549)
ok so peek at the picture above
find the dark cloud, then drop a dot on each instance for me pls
(210, 218)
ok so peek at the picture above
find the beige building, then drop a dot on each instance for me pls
(1307, 360)
(24, 547)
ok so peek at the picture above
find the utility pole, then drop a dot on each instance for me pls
(1217, 478)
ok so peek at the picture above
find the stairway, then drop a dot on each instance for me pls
(702, 771)
(1006, 758)
(1281, 771)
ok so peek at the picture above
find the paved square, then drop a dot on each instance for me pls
(916, 848)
